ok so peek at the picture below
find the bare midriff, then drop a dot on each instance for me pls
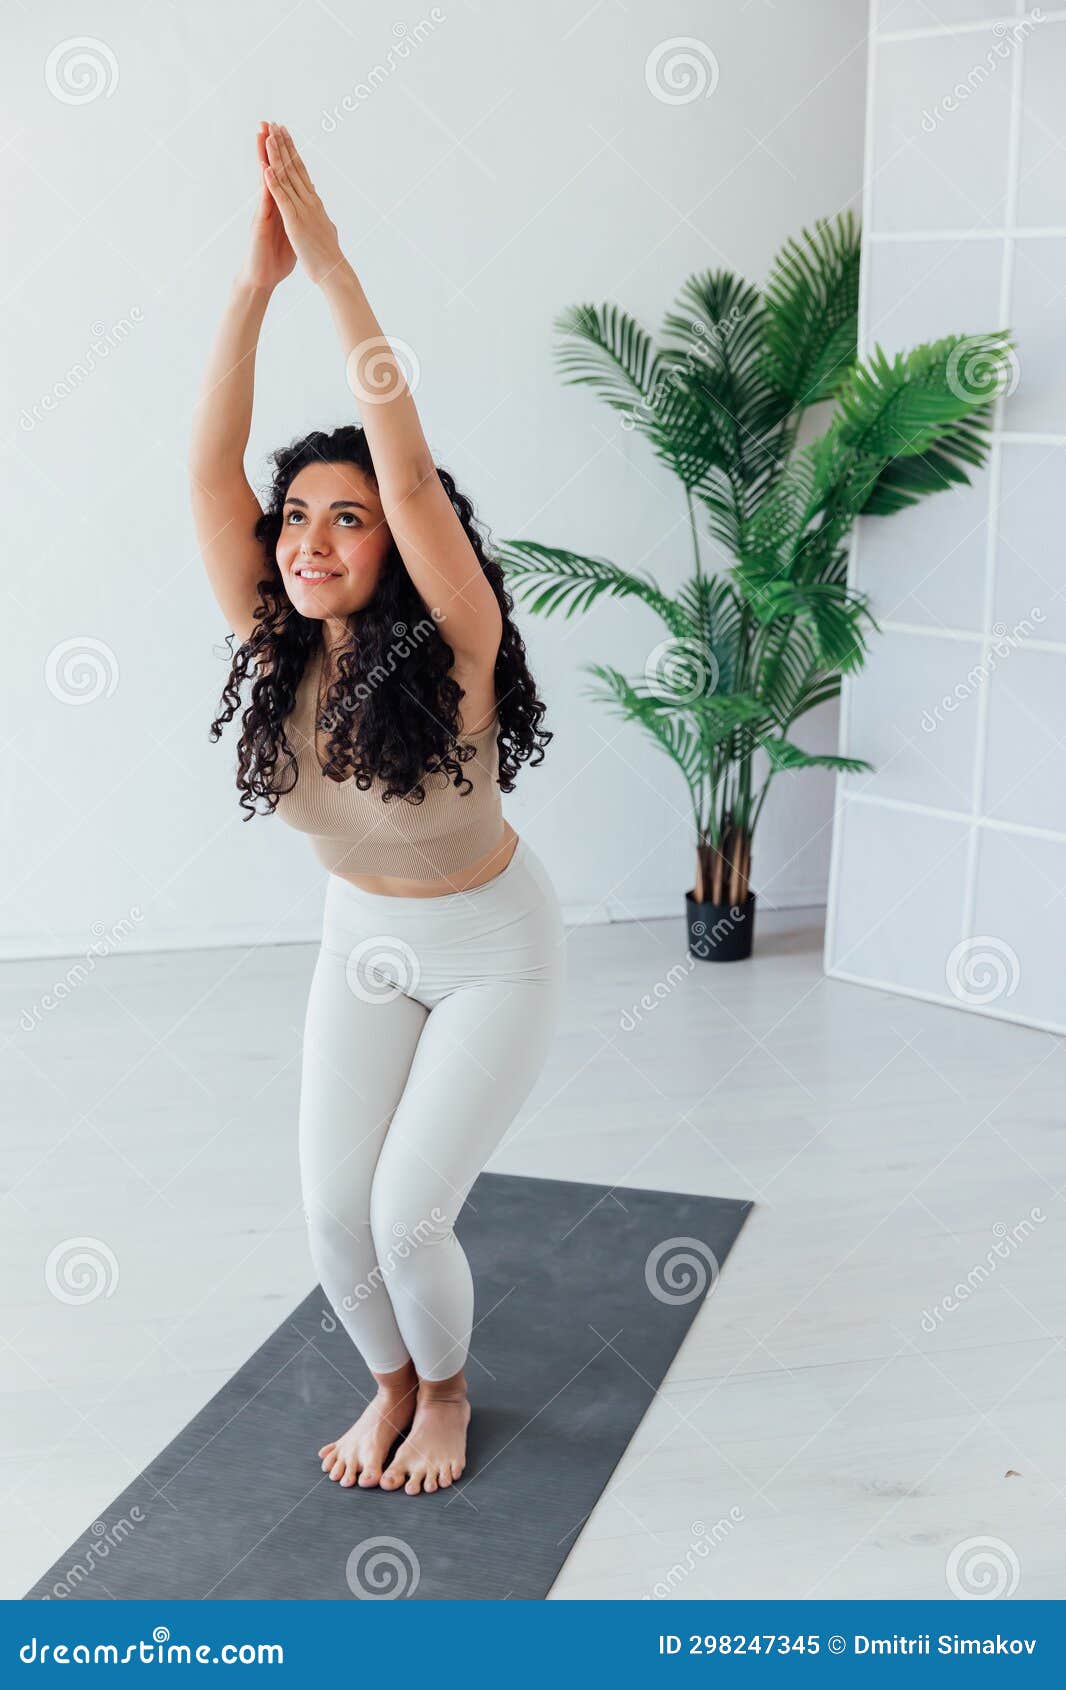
(475, 874)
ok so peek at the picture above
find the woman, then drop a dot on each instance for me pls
(367, 611)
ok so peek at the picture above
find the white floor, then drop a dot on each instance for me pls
(813, 1439)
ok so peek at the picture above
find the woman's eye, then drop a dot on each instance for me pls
(350, 514)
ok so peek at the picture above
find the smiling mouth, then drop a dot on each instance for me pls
(308, 574)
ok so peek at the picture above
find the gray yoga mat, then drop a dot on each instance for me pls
(583, 1295)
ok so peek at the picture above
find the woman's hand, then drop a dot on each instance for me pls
(270, 257)
(313, 236)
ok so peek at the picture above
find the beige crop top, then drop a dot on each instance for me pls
(354, 832)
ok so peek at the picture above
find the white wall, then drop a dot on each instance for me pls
(514, 162)
(950, 858)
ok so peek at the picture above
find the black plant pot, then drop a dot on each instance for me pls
(720, 932)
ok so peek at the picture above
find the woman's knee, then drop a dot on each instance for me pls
(401, 1224)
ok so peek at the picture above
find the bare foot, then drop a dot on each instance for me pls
(360, 1453)
(433, 1453)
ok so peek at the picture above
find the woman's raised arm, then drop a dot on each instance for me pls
(424, 524)
(225, 508)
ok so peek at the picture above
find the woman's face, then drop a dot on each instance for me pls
(333, 540)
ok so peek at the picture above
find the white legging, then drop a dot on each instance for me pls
(427, 1024)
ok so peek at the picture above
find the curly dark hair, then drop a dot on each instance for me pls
(393, 707)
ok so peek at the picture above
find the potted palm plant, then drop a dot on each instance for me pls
(765, 634)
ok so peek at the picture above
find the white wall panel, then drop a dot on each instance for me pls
(949, 861)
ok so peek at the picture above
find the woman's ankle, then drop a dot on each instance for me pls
(394, 1387)
(443, 1390)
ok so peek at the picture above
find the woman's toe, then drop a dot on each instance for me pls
(327, 1447)
(445, 1478)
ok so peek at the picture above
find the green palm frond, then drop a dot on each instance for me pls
(785, 659)
(713, 714)
(711, 604)
(572, 582)
(895, 408)
(905, 481)
(812, 299)
(669, 729)
(784, 755)
(834, 614)
(717, 335)
(606, 349)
